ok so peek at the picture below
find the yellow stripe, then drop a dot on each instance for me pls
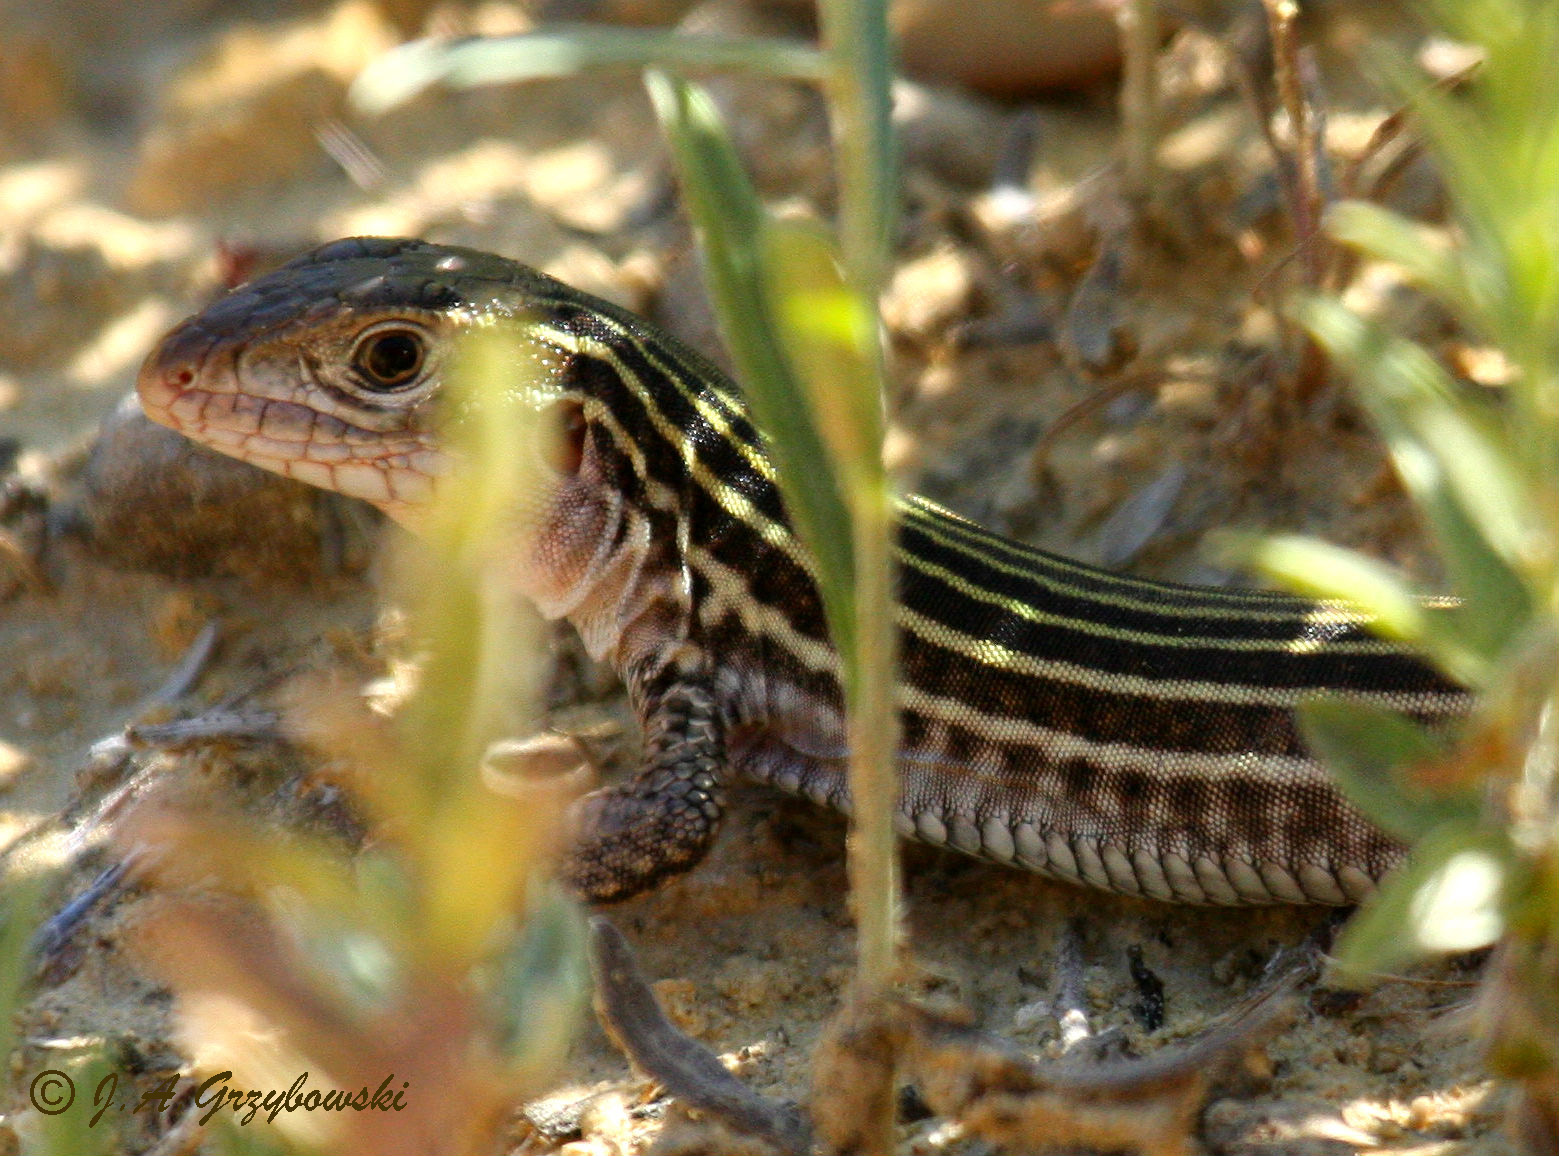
(1060, 746)
(932, 521)
(990, 653)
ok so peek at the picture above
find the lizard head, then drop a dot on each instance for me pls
(331, 370)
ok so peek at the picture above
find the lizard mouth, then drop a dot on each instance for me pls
(284, 437)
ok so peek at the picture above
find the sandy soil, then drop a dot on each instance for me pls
(143, 160)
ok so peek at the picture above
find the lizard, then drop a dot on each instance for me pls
(1115, 731)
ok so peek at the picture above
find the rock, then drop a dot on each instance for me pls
(1007, 48)
(154, 500)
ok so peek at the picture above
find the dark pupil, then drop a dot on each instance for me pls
(392, 358)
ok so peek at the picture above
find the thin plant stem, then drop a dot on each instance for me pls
(855, 44)
(1308, 198)
(856, 81)
(855, 41)
(873, 733)
(1139, 29)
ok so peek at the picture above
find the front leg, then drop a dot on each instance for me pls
(663, 821)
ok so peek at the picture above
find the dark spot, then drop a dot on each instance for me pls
(1078, 777)
(1135, 790)
(1247, 801)
(960, 746)
(1188, 800)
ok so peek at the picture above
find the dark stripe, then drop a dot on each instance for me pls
(619, 470)
(697, 371)
(944, 603)
(1090, 579)
(716, 452)
(772, 578)
(662, 458)
(1206, 621)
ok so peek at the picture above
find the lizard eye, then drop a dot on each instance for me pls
(390, 358)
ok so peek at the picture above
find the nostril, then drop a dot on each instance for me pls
(181, 377)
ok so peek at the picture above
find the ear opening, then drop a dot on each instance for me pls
(566, 451)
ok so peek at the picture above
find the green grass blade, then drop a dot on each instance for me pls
(399, 75)
(1423, 253)
(1372, 753)
(831, 336)
(1451, 461)
(1409, 395)
(1446, 898)
(859, 86)
(731, 228)
(1321, 570)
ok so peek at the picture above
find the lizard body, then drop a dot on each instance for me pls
(1119, 732)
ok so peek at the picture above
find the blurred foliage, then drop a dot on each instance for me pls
(1483, 468)
(21, 901)
(440, 958)
(801, 324)
(399, 75)
(63, 1119)
(797, 308)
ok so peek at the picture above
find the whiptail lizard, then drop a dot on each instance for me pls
(1129, 734)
